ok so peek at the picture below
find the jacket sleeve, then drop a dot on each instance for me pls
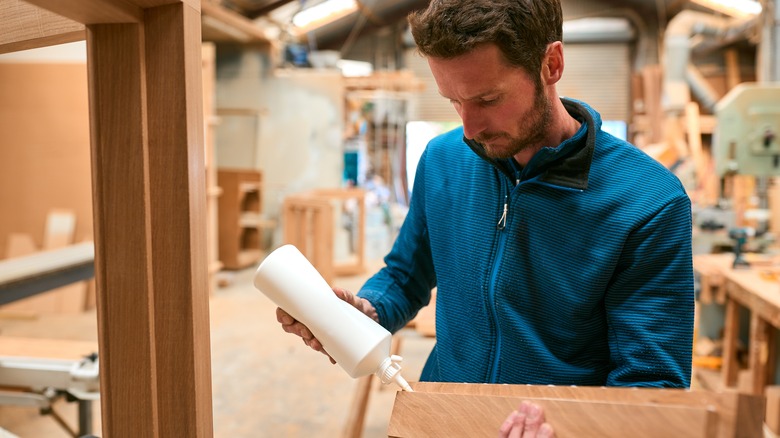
(650, 304)
(400, 289)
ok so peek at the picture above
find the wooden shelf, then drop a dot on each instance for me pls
(248, 257)
(240, 218)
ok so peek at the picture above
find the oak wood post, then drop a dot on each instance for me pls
(150, 224)
(122, 222)
(178, 215)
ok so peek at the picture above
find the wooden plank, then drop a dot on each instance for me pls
(773, 194)
(26, 26)
(772, 418)
(34, 264)
(42, 271)
(46, 137)
(222, 24)
(353, 427)
(59, 232)
(693, 129)
(60, 228)
(730, 369)
(19, 244)
(123, 262)
(46, 348)
(209, 70)
(322, 241)
(178, 220)
(760, 337)
(738, 414)
(733, 76)
(651, 81)
(420, 414)
(93, 11)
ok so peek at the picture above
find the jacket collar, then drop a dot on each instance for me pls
(566, 165)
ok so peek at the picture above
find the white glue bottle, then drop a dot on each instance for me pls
(356, 342)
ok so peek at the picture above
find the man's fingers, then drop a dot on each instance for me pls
(546, 431)
(513, 426)
(507, 425)
(533, 420)
(526, 422)
(283, 317)
(290, 325)
(359, 303)
(344, 295)
(518, 425)
(316, 345)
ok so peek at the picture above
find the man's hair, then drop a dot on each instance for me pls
(521, 29)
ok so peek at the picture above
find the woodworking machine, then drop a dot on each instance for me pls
(747, 141)
(40, 382)
(747, 135)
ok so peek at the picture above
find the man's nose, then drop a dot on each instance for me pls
(473, 122)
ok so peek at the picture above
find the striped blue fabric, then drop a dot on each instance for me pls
(590, 282)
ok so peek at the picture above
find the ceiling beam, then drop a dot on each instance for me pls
(265, 8)
(222, 24)
(94, 11)
(27, 26)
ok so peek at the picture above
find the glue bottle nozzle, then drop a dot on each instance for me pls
(390, 371)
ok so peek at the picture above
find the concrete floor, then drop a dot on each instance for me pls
(266, 383)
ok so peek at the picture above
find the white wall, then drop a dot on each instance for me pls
(297, 143)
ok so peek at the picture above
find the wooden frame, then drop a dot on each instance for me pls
(146, 125)
(309, 225)
(452, 409)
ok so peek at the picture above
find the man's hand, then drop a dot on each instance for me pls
(526, 422)
(291, 325)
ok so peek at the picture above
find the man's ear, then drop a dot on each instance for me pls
(552, 64)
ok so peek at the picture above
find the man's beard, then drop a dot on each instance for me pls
(532, 130)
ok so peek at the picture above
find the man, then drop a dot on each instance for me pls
(561, 254)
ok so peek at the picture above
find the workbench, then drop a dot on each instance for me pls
(25, 276)
(755, 289)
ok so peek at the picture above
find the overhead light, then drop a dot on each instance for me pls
(323, 13)
(733, 8)
(351, 68)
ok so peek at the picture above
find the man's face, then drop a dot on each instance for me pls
(501, 106)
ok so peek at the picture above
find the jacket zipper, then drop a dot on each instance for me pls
(493, 377)
(502, 220)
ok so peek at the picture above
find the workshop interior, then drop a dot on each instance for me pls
(302, 124)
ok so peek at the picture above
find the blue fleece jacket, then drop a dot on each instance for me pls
(587, 280)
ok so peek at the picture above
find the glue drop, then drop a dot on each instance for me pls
(355, 341)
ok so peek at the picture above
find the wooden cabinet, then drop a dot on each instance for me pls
(241, 222)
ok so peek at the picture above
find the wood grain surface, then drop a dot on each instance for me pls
(442, 409)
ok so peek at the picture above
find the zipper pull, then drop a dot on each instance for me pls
(502, 221)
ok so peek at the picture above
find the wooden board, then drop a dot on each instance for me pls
(44, 169)
(737, 414)
(458, 415)
(19, 245)
(42, 348)
(59, 233)
(26, 26)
